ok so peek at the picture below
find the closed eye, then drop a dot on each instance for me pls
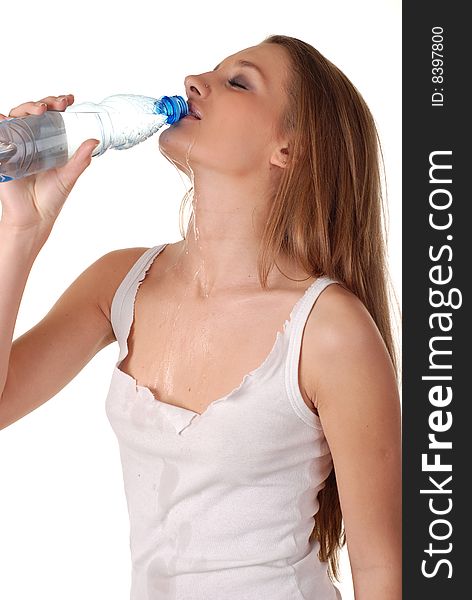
(234, 83)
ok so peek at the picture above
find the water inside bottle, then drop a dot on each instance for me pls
(31, 144)
(7, 150)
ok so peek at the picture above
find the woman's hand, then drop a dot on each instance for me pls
(34, 202)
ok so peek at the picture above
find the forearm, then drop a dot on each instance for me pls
(18, 251)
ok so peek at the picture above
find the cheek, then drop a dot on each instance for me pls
(239, 139)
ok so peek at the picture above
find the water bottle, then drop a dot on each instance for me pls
(38, 142)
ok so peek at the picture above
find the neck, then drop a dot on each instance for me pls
(221, 247)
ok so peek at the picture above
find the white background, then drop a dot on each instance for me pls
(63, 514)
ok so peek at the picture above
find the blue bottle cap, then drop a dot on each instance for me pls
(174, 107)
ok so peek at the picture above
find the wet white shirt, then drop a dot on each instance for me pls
(222, 504)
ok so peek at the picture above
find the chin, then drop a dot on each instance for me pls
(175, 151)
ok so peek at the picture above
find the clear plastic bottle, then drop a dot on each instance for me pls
(38, 142)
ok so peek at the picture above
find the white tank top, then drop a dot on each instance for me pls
(221, 504)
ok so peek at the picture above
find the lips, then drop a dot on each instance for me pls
(194, 111)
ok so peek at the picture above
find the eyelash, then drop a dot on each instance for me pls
(236, 84)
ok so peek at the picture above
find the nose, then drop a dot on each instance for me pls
(195, 85)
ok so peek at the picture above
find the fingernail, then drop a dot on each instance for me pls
(41, 104)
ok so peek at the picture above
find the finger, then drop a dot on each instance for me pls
(38, 108)
(58, 102)
(28, 108)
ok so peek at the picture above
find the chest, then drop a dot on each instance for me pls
(191, 352)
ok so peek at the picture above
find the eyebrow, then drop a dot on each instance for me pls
(247, 63)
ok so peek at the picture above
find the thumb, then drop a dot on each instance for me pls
(83, 154)
(78, 162)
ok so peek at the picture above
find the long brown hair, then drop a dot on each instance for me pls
(328, 215)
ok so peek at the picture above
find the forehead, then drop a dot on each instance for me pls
(272, 59)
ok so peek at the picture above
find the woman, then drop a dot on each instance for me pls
(256, 408)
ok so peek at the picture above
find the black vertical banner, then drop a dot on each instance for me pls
(437, 360)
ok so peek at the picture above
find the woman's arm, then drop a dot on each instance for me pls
(351, 381)
(43, 360)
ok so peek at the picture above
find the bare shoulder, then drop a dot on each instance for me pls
(111, 269)
(339, 317)
(341, 342)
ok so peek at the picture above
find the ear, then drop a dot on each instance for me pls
(280, 156)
